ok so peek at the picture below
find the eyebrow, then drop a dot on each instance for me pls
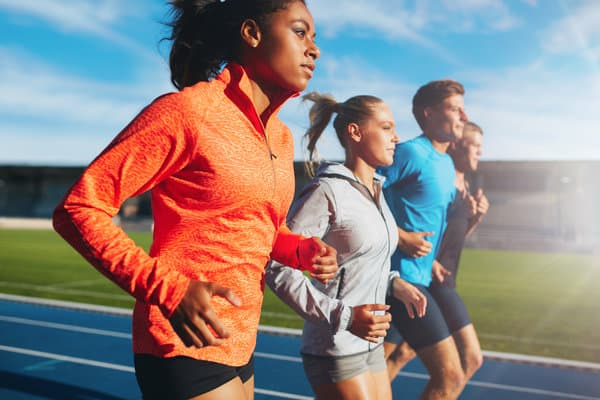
(306, 24)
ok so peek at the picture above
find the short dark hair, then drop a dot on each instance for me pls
(434, 93)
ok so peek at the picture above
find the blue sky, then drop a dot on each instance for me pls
(73, 73)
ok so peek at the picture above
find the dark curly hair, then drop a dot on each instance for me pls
(206, 35)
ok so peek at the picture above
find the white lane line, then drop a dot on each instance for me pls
(60, 357)
(503, 357)
(119, 367)
(279, 315)
(510, 388)
(125, 368)
(521, 389)
(282, 394)
(531, 340)
(51, 289)
(278, 357)
(76, 284)
(518, 358)
(73, 328)
(407, 374)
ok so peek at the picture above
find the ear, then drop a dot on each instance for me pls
(250, 32)
(427, 112)
(354, 133)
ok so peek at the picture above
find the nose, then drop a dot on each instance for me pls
(395, 138)
(313, 51)
(463, 116)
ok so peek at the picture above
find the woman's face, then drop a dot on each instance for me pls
(379, 138)
(286, 53)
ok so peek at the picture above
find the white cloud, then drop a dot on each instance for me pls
(529, 114)
(344, 78)
(533, 113)
(475, 15)
(50, 144)
(578, 32)
(412, 20)
(44, 110)
(33, 88)
(93, 17)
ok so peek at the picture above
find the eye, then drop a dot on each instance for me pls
(300, 32)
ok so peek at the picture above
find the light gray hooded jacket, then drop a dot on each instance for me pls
(336, 207)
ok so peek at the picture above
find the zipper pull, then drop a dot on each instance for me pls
(272, 155)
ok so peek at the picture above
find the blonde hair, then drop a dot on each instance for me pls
(469, 131)
(354, 110)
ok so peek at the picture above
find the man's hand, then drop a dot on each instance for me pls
(438, 272)
(414, 243)
(482, 203)
(195, 321)
(414, 301)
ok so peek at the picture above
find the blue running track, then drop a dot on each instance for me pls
(51, 351)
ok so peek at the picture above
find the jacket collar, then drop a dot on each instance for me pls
(239, 90)
(327, 167)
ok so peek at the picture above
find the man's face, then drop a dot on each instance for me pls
(445, 121)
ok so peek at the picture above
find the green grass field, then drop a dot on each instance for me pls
(545, 304)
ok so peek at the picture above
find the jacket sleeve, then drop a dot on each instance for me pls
(285, 248)
(311, 215)
(152, 147)
(295, 290)
(390, 288)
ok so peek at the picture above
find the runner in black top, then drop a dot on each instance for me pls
(465, 213)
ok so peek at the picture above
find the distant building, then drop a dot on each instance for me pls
(540, 205)
(535, 205)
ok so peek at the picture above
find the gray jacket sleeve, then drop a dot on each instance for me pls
(311, 215)
(392, 275)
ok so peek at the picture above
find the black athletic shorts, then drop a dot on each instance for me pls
(445, 314)
(180, 378)
(420, 332)
(452, 306)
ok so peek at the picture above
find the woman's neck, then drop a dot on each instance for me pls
(362, 171)
(267, 97)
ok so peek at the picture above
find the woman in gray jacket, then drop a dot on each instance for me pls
(346, 319)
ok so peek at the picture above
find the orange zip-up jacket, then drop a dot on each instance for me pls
(221, 185)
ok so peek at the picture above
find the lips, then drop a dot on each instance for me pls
(309, 68)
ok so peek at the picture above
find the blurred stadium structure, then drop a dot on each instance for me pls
(535, 205)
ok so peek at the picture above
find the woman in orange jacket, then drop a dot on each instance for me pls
(219, 165)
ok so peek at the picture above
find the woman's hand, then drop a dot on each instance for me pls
(367, 325)
(194, 320)
(317, 257)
